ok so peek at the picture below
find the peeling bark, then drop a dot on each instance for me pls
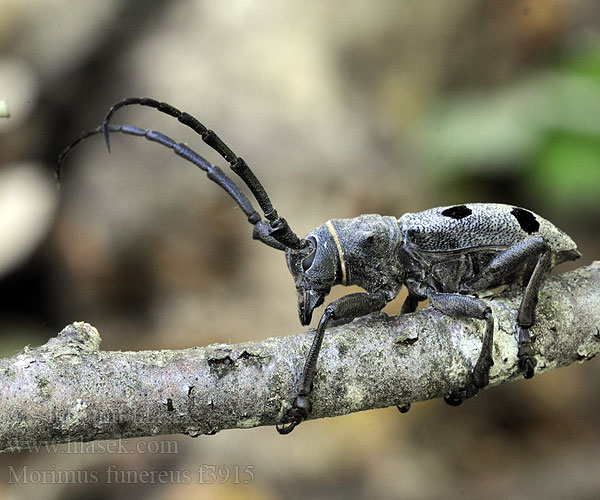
(70, 390)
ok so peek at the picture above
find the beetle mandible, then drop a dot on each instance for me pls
(446, 255)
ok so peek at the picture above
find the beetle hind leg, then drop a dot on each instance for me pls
(530, 250)
(526, 315)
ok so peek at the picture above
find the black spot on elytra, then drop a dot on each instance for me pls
(457, 212)
(526, 220)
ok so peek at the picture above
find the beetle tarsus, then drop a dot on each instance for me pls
(527, 361)
(297, 413)
(470, 389)
(403, 408)
(453, 400)
(286, 428)
(481, 374)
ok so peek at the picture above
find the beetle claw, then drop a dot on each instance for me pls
(453, 400)
(296, 414)
(286, 428)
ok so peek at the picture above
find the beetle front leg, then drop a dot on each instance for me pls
(465, 306)
(346, 307)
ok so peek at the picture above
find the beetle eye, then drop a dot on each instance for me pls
(308, 260)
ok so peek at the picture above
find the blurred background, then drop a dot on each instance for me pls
(341, 108)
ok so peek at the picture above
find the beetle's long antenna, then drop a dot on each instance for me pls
(278, 226)
(213, 172)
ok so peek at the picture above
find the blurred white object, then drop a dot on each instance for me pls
(28, 200)
(4, 113)
(19, 85)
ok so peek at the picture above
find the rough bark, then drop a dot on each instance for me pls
(69, 390)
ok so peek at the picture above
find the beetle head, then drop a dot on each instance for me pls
(315, 269)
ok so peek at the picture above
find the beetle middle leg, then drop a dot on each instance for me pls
(346, 307)
(465, 306)
(411, 303)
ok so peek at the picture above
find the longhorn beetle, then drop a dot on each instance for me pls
(445, 254)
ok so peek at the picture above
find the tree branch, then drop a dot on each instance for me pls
(69, 390)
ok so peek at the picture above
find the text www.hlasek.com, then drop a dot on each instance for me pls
(112, 446)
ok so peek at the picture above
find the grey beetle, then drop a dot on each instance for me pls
(446, 255)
